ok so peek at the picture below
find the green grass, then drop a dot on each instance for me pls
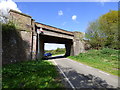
(31, 74)
(62, 54)
(57, 51)
(105, 60)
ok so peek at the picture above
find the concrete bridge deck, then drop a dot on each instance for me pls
(54, 28)
(55, 32)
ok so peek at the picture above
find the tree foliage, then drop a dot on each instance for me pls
(57, 51)
(103, 32)
(8, 26)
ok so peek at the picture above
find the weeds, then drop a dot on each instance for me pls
(105, 59)
(30, 74)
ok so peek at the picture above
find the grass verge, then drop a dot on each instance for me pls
(31, 74)
(59, 54)
(105, 60)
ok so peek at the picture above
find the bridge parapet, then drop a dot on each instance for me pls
(53, 31)
(54, 28)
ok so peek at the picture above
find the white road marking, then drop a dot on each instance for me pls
(104, 73)
(80, 64)
(89, 67)
(64, 75)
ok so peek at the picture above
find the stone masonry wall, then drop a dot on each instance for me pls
(78, 43)
(22, 21)
(27, 37)
(17, 44)
(13, 47)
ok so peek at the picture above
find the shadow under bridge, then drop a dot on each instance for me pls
(53, 39)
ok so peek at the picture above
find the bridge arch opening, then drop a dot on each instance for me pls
(43, 39)
(55, 49)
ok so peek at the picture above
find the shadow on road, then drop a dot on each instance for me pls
(55, 57)
(84, 81)
(79, 80)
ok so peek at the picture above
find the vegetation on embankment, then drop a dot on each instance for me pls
(30, 74)
(105, 59)
(103, 32)
(56, 52)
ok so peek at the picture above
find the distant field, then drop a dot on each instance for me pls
(56, 52)
(30, 74)
(105, 59)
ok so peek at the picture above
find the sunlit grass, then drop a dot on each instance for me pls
(105, 59)
(30, 74)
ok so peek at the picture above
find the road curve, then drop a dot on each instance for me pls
(78, 75)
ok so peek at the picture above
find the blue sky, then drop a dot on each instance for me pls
(70, 16)
(60, 14)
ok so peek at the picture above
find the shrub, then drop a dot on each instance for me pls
(108, 51)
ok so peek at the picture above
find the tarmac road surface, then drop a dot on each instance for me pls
(77, 75)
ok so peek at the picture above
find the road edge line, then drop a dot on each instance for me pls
(64, 75)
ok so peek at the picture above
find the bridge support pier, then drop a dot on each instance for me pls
(78, 44)
(68, 49)
(40, 49)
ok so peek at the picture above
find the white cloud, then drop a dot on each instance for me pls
(105, 0)
(74, 17)
(6, 5)
(64, 0)
(60, 13)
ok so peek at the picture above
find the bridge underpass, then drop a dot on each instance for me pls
(57, 50)
(49, 34)
(56, 40)
(35, 48)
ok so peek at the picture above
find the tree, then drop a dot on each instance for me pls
(109, 25)
(94, 34)
(103, 32)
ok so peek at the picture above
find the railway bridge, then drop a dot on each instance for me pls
(37, 34)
